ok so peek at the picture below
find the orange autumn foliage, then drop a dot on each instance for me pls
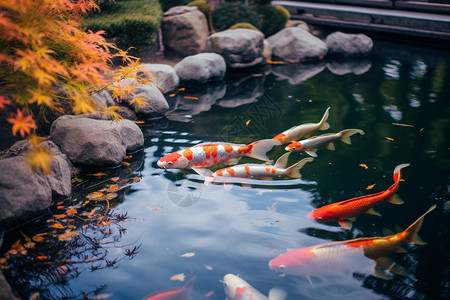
(46, 59)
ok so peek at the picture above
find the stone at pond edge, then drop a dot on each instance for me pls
(296, 44)
(5, 290)
(94, 143)
(349, 45)
(241, 48)
(165, 76)
(201, 68)
(184, 30)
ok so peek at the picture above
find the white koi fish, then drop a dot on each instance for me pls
(338, 257)
(259, 170)
(237, 288)
(207, 155)
(297, 132)
(310, 145)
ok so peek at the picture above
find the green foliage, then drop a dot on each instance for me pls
(168, 4)
(284, 12)
(244, 26)
(134, 23)
(202, 5)
(231, 13)
(261, 2)
(273, 19)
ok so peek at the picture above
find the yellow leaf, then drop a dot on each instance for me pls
(71, 211)
(364, 166)
(125, 163)
(57, 226)
(57, 217)
(39, 237)
(140, 102)
(40, 159)
(96, 196)
(390, 139)
(248, 122)
(128, 156)
(112, 188)
(189, 254)
(370, 187)
(178, 277)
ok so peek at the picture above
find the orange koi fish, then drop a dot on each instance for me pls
(181, 293)
(344, 212)
(297, 132)
(310, 145)
(237, 288)
(338, 257)
(207, 155)
(259, 170)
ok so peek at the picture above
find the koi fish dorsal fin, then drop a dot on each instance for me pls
(259, 149)
(412, 230)
(347, 133)
(324, 125)
(277, 293)
(397, 173)
(294, 170)
(282, 161)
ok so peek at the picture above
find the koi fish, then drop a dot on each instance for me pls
(297, 132)
(181, 293)
(259, 170)
(207, 155)
(343, 212)
(334, 257)
(310, 145)
(237, 288)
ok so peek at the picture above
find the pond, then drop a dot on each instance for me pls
(132, 231)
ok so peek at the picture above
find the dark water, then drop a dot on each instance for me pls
(134, 243)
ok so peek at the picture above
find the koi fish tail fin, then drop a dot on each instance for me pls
(187, 289)
(259, 149)
(282, 161)
(323, 123)
(346, 134)
(294, 170)
(277, 293)
(397, 173)
(411, 231)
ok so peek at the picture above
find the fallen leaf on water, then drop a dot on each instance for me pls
(57, 225)
(209, 294)
(99, 174)
(104, 223)
(71, 211)
(181, 89)
(190, 98)
(157, 208)
(421, 129)
(67, 235)
(34, 296)
(404, 125)
(29, 245)
(125, 163)
(364, 166)
(3, 260)
(189, 254)
(114, 179)
(178, 277)
(128, 156)
(63, 268)
(370, 186)
(42, 257)
(207, 267)
(60, 207)
(59, 203)
(111, 196)
(57, 217)
(136, 179)
(172, 95)
(390, 139)
(139, 122)
(112, 188)
(96, 196)
(248, 122)
(39, 237)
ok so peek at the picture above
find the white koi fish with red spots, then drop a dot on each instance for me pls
(338, 257)
(259, 170)
(237, 288)
(207, 155)
(297, 132)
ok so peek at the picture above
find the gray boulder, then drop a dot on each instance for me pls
(296, 44)
(349, 45)
(184, 30)
(201, 68)
(164, 76)
(241, 48)
(94, 143)
(26, 194)
(156, 105)
(5, 290)
(103, 98)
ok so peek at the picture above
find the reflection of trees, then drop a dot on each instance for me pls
(77, 237)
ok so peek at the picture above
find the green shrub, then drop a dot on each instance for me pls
(261, 2)
(244, 26)
(168, 4)
(231, 13)
(273, 19)
(284, 12)
(134, 23)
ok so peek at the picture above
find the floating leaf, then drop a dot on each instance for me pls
(71, 211)
(390, 139)
(111, 196)
(34, 296)
(178, 277)
(157, 208)
(112, 188)
(29, 245)
(125, 163)
(60, 207)
(59, 203)
(248, 122)
(370, 186)
(172, 95)
(114, 179)
(190, 98)
(63, 268)
(189, 254)
(99, 174)
(128, 156)
(57, 226)
(182, 89)
(139, 122)
(42, 257)
(39, 237)
(136, 179)
(96, 196)
(364, 166)
(404, 125)
(67, 235)
(3, 260)
(104, 223)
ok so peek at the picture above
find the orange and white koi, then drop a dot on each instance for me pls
(207, 155)
(336, 257)
(259, 170)
(237, 288)
(297, 132)
(310, 145)
(343, 212)
(181, 293)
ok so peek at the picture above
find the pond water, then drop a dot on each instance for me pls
(162, 223)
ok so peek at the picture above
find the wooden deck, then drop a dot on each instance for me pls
(407, 18)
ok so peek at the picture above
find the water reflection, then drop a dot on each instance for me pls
(349, 66)
(297, 73)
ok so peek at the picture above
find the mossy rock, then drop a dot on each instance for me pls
(202, 5)
(244, 26)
